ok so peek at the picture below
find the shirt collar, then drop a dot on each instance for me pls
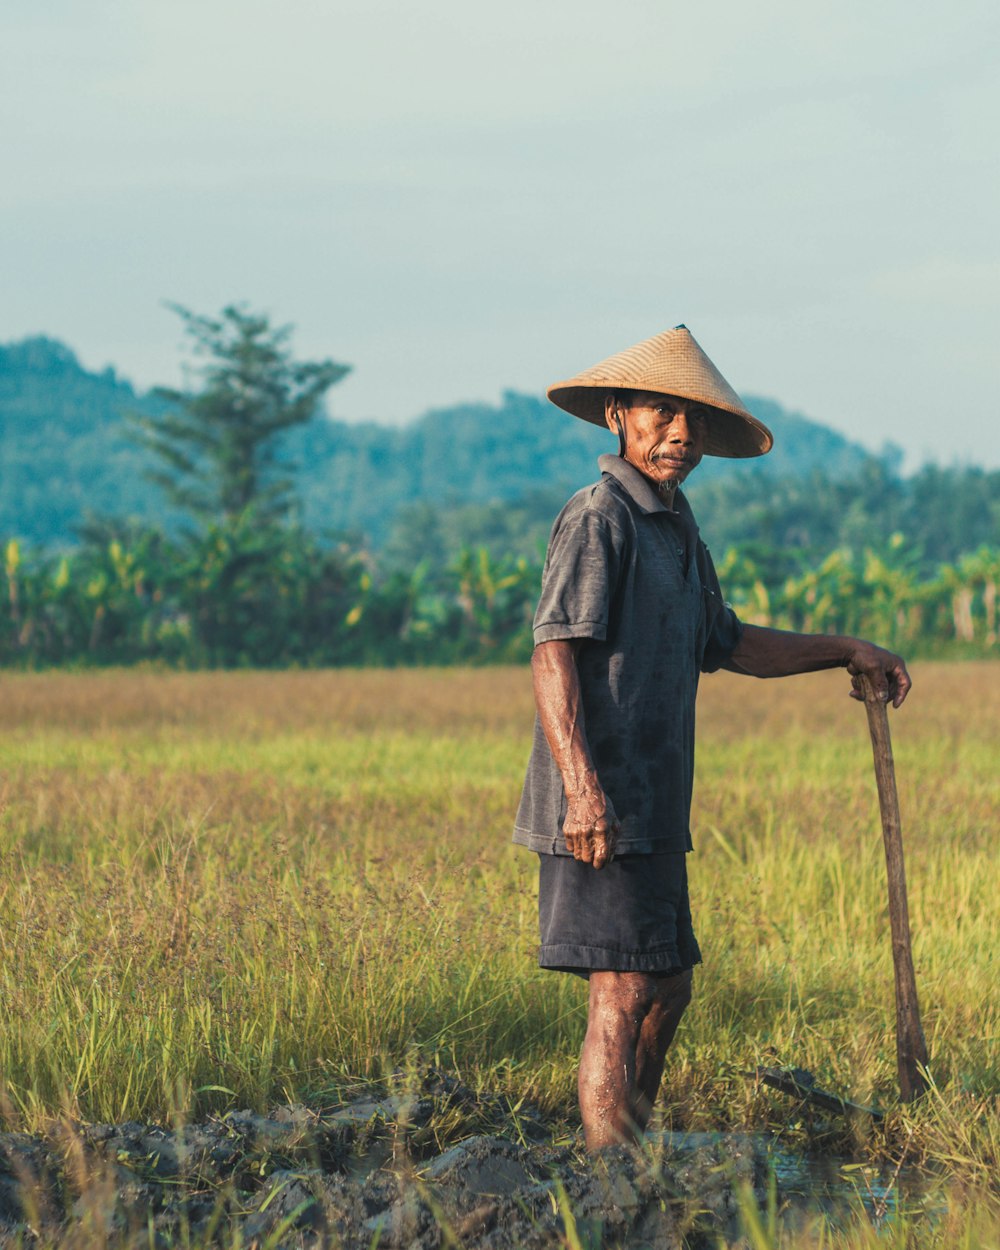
(636, 485)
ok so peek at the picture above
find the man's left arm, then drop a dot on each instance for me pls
(765, 652)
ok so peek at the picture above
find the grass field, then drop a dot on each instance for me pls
(227, 889)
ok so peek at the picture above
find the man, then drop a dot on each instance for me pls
(630, 614)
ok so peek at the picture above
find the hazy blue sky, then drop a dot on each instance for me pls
(458, 197)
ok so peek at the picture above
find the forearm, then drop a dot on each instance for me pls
(779, 653)
(560, 713)
(765, 652)
(590, 826)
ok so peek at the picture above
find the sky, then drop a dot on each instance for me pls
(460, 198)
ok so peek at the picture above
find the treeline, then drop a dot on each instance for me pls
(67, 450)
(912, 563)
(787, 524)
(260, 597)
(274, 597)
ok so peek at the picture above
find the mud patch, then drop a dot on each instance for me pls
(389, 1171)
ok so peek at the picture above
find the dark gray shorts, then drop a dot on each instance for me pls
(632, 916)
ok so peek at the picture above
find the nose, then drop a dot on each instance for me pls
(682, 430)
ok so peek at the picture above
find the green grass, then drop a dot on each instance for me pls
(225, 889)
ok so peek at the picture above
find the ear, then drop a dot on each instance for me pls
(612, 407)
(614, 416)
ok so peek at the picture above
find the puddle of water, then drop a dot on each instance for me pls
(836, 1186)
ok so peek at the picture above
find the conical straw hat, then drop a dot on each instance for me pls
(671, 363)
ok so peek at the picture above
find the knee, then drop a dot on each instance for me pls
(673, 994)
(626, 998)
(679, 989)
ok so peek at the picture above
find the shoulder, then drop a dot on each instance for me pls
(603, 504)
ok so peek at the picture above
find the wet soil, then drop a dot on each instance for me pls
(404, 1170)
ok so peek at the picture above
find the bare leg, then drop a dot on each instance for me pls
(632, 1020)
(672, 996)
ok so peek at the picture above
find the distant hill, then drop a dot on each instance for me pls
(62, 444)
(65, 452)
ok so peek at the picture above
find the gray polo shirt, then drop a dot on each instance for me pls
(636, 581)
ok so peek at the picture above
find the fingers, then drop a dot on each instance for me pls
(601, 840)
(579, 843)
(590, 829)
(604, 848)
(899, 684)
(890, 682)
(593, 846)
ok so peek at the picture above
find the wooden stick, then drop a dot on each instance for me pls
(911, 1049)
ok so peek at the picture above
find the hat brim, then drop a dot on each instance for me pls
(730, 432)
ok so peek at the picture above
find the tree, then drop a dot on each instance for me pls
(218, 444)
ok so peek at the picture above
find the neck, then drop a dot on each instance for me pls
(667, 491)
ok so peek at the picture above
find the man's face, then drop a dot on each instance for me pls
(665, 435)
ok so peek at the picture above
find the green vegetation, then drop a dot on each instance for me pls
(241, 594)
(316, 544)
(223, 889)
(217, 445)
(218, 890)
(475, 474)
(66, 452)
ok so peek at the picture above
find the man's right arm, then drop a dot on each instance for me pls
(591, 826)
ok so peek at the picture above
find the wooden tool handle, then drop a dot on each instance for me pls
(911, 1049)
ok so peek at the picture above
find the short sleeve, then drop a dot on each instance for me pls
(581, 570)
(723, 628)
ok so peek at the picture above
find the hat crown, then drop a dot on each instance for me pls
(671, 363)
